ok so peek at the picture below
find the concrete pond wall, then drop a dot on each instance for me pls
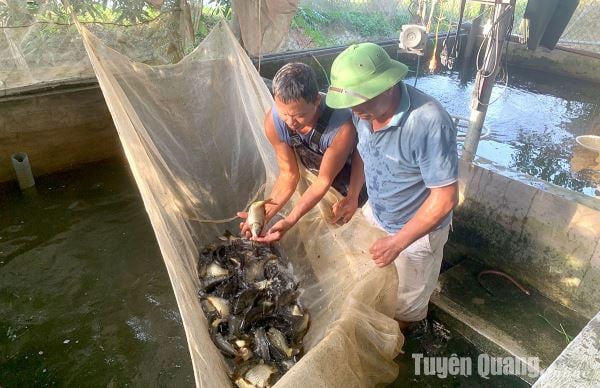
(544, 235)
(562, 61)
(58, 129)
(577, 365)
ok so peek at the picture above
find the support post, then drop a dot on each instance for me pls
(486, 76)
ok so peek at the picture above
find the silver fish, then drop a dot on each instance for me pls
(245, 353)
(215, 270)
(219, 304)
(277, 340)
(256, 217)
(249, 295)
(224, 345)
(258, 377)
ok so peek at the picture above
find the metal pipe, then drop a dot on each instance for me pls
(486, 76)
(20, 162)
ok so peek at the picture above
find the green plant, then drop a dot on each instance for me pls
(317, 23)
(209, 19)
(311, 22)
(372, 24)
(221, 8)
(562, 331)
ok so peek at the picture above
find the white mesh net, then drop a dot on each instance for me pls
(581, 32)
(40, 45)
(264, 24)
(191, 128)
(192, 133)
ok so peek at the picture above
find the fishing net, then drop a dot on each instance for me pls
(192, 133)
(190, 123)
(39, 44)
(264, 24)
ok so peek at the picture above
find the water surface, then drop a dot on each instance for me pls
(85, 297)
(534, 121)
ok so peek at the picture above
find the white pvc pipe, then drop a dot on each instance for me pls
(20, 162)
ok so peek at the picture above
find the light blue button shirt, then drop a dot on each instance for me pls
(416, 151)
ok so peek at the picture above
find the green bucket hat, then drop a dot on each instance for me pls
(361, 72)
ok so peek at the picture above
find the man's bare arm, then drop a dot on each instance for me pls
(357, 176)
(437, 206)
(288, 177)
(333, 160)
(344, 209)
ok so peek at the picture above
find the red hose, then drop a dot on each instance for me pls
(502, 274)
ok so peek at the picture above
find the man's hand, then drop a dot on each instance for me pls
(385, 250)
(344, 209)
(244, 227)
(276, 232)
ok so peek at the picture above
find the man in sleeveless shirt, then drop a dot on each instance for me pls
(407, 142)
(300, 126)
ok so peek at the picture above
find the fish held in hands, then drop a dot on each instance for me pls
(256, 217)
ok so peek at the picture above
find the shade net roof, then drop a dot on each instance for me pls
(39, 44)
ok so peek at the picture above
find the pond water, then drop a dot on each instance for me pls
(435, 341)
(85, 297)
(533, 123)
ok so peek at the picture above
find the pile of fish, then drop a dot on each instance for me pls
(250, 298)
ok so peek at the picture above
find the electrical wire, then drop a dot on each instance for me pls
(410, 9)
(445, 54)
(259, 5)
(322, 69)
(417, 70)
(433, 64)
(491, 33)
(503, 69)
(455, 47)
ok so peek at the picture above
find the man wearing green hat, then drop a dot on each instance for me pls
(407, 142)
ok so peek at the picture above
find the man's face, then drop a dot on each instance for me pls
(298, 114)
(375, 108)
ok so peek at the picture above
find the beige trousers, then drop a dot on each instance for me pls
(418, 269)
